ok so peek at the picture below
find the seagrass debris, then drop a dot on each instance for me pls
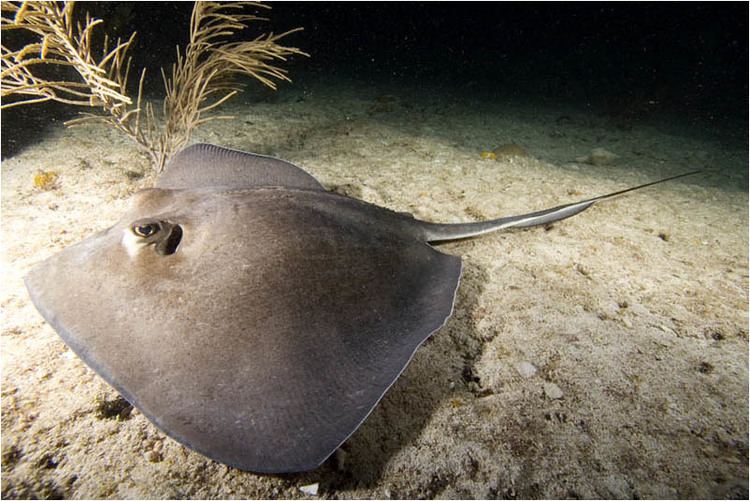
(202, 78)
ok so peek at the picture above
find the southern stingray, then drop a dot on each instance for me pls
(250, 314)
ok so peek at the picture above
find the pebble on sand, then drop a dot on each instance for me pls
(552, 391)
(509, 152)
(525, 369)
(598, 156)
(310, 489)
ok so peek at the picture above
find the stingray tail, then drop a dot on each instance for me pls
(436, 232)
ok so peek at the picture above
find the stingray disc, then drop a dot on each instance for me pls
(265, 334)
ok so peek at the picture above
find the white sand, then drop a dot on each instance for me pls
(595, 359)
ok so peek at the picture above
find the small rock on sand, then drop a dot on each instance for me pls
(310, 489)
(552, 391)
(525, 369)
(510, 151)
(598, 156)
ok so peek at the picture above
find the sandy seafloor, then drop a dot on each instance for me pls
(635, 310)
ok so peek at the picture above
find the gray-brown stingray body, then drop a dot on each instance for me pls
(250, 314)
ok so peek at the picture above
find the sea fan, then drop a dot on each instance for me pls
(203, 77)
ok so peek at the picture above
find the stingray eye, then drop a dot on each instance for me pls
(145, 230)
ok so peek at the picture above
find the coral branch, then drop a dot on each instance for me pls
(202, 78)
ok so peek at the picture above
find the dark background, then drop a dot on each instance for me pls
(686, 58)
(689, 56)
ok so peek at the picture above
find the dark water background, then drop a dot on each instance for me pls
(685, 61)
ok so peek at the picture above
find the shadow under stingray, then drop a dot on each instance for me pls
(402, 414)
